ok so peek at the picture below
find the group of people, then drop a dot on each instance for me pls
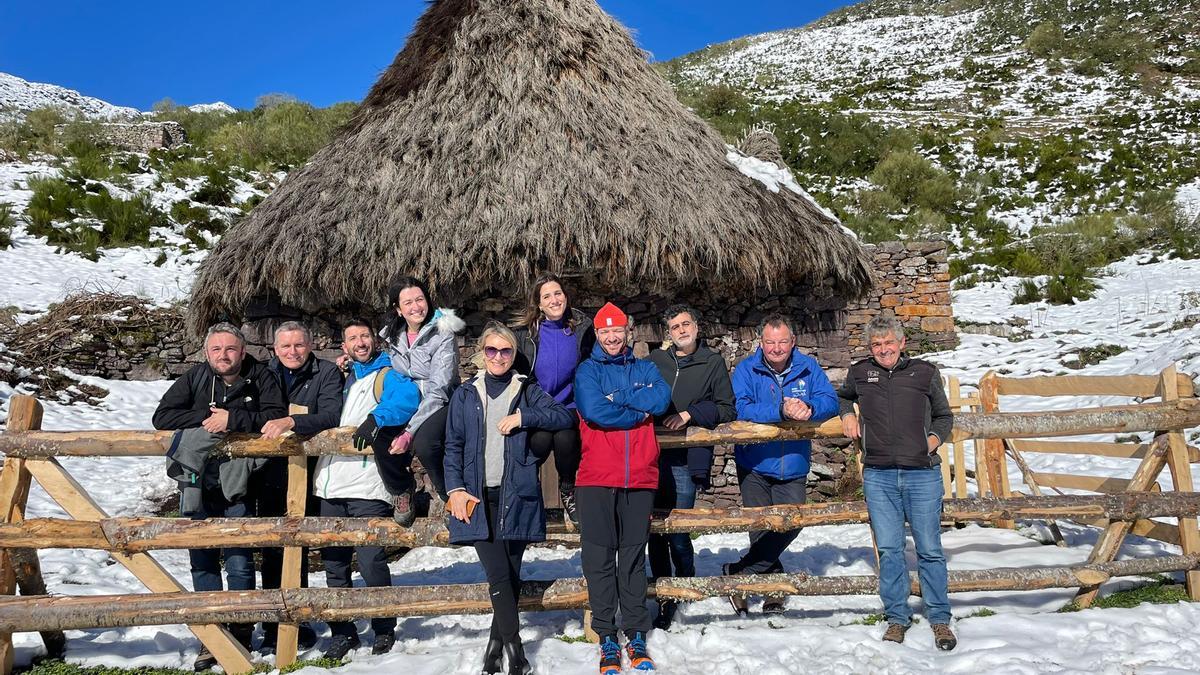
(564, 384)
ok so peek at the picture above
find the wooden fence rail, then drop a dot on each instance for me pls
(329, 604)
(1172, 415)
(135, 535)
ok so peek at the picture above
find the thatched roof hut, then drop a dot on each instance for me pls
(511, 137)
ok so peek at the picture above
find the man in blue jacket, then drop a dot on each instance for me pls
(776, 383)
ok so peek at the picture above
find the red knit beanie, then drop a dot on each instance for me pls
(609, 316)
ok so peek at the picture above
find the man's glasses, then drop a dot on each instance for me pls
(492, 353)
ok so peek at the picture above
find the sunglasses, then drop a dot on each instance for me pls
(492, 353)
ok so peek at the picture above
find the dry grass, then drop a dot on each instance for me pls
(508, 138)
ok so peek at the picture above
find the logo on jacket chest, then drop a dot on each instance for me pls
(873, 376)
(796, 390)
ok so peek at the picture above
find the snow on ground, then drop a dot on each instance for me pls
(1151, 309)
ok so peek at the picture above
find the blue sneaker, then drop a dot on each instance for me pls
(610, 656)
(639, 656)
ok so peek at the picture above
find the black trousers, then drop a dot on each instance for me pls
(765, 547)
(501, 562)
(566, 448)
(372, 562)
(429, 446)
(614, 526)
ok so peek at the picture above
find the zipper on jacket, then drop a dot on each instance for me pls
(626, 458)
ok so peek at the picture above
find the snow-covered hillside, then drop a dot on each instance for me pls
(18, 96)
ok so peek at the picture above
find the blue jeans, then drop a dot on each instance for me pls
(676, 490)
(894, 496)
(206, 562)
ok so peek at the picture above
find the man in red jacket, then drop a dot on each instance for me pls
(617, 396)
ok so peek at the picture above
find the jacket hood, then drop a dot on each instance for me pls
(446, 321)
(382, 360)
(598, 354)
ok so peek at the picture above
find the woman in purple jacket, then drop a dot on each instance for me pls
(552, 339)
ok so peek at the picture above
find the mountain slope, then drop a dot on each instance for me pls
(19, 96)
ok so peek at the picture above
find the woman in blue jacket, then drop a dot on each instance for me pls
(491, 465)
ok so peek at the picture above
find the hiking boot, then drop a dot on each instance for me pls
(639, 656)
(738, 602)
(570, 514)
(341, 646)
(492, 655)
(306, 637)
(666, 614)
(943, 637)
(383, 644)
(205, 661)
(517, 663)
(773, 607)
(243, 633)
(895, 633)
(610, 656)
(405, 513)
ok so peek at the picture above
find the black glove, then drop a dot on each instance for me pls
(365, 435)
(702, 480)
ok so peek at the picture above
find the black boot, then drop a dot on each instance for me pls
(492, 655)
(517, 663)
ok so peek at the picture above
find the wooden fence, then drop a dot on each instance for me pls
(31, 454)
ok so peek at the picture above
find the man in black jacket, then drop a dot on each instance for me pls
(701, 394)
(312, 388)
(230, 391)
(903, 417)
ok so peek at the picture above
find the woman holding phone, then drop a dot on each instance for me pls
(495, 495)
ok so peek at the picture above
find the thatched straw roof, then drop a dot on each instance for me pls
(511, 137)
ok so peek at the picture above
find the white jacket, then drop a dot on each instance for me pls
(347, 476)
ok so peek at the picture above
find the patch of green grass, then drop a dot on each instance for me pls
(328, 664)
(980, 613)
(572, 639)
(1027, 293)
(1090, 356)
(57, 667)
(869, 620)
(1162, 593)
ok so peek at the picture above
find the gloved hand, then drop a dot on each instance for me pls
(702, 481)
(365, 435)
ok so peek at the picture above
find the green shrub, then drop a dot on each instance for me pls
(285, 135)
(1027, 292)
(217, 189)
(53, 200)
(1026, 264)
(915, 180)
(7, 222)
(76, 219)
(125, 222)
(1069, 285)
(1047, 40)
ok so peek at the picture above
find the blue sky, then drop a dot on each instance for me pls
(136, 52)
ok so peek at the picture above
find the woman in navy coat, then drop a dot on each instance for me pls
(495, 496)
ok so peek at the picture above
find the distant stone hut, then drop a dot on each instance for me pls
(513, 137)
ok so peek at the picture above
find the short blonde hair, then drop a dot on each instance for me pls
(498, 329)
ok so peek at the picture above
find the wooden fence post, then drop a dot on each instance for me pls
(17, 566)
(960, 462)
(64, 489)
(297, 494)
(1109, 542)
(992, 449)
(1181, 478)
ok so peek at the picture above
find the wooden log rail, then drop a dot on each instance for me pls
(1171, 415)
(135, 535)
(329, 604)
